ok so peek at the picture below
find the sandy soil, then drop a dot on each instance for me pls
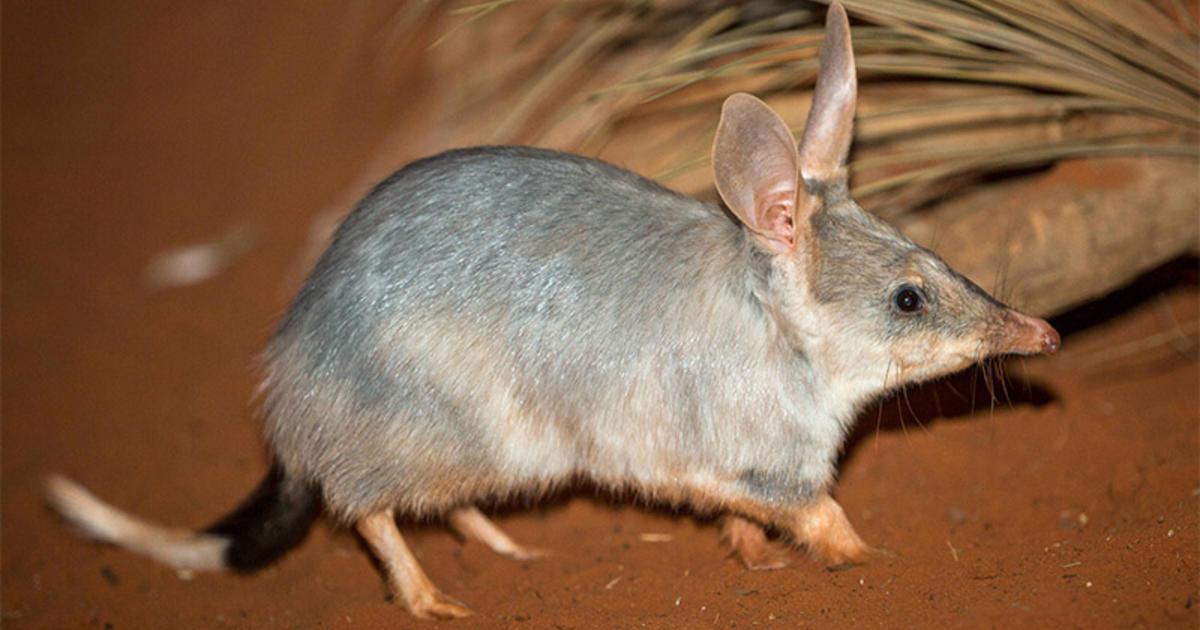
(131, 130)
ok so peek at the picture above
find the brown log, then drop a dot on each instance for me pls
(1075, 233)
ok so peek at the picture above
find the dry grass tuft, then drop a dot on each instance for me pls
(952, 90)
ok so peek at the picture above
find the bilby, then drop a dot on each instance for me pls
(499, 321)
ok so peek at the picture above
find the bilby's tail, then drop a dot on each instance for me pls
(270, 521)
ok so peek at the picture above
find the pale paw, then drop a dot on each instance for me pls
(526, 554)
(438, 605)
(769, 557)
(841, 559)
(750, 543)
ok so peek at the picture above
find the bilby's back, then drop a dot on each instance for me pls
(492, 320)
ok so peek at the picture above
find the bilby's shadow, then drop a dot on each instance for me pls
(978, 390)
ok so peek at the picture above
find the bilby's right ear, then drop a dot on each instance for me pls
(757, 170)
(826, 140)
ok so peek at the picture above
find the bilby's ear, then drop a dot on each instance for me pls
(756, 169)
(826, 140)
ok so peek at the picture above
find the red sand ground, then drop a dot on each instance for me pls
(130, 130)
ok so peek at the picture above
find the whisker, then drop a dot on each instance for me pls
(990, 370)
(916, 417)
(937, 399)
(1002, 377)
(879, 414)
(954, 390)
(991, 388)
(1179, 340)
(1025, 380)
(973, 395)
(900, 409)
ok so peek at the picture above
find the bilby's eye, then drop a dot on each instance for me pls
(908, 300)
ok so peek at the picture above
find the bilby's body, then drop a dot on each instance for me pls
(500, 320)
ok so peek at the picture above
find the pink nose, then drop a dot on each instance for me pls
(1050, 338)
(1027, 335)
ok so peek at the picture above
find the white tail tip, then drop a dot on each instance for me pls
(181, 549)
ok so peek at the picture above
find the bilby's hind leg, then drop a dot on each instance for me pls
(822, 526)
(750, 543)
(471, 523)
(404, 574)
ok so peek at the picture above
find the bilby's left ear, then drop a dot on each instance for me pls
(756, 170)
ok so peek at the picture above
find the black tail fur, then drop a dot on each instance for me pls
(272, 520)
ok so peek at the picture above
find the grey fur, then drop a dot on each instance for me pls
(780, 486)
(861, 261)
(596, 297)
(496, 320)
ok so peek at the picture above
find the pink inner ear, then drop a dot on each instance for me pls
(756, 169)
(780, 221)
(777, 216)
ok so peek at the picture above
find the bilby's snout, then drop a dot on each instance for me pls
(1022, 334)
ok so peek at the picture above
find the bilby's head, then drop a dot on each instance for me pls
(871, 308)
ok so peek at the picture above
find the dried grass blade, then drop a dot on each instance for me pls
(1032, 50)
(1095, 47)
(997, 158)
(475, 12)
(941, 116)
(1006, 70)
(1185, 16)
(573, 56)
(1141, 25)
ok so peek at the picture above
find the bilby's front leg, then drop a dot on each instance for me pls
(823, 528)
(404, 574)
